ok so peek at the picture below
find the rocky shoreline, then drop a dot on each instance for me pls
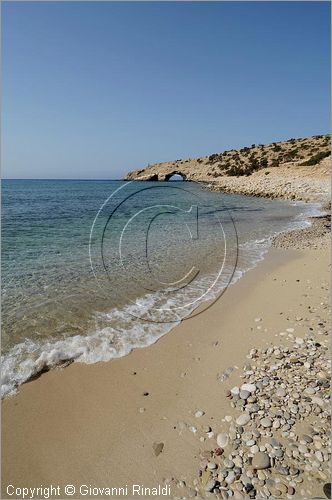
(301, 184)
(316, 236)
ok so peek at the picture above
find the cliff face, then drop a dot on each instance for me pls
(295, 169)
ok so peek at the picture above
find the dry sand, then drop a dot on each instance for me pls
(86, 424)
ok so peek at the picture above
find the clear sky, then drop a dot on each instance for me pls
(94, 89)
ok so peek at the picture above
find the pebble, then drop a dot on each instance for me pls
(310, 391)
(249, 387)
(266, 422)
(222, 440)
(199, 413)
(158, 448)
(210, 485)
(261, 460)
(229, 464)
(276, 424)
(230, 478)
(244, 394)
(243, 419)
(281, 393)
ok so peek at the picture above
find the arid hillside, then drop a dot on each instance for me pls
(295, 169)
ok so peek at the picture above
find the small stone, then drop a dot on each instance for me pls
(261, 476)
(244, 394)
(210, 485)
(284, 471)
(243, 419)
(327, 490)
(281, 393)
(309, 390)
(235, 391)
(229, 464)
(266, 422)
(222, 440)
(199, 413)
(261, 460)
(290, 490)
(230, 478)
(158, 448)
(249, 387)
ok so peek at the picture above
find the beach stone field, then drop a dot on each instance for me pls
(279, 443)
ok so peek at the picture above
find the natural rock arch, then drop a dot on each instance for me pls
(175, 172)
(153, 177)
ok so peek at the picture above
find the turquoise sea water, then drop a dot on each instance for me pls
(92, 269)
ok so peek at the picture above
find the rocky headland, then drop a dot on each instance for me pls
(297, 169)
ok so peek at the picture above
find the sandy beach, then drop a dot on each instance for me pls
(147, 419)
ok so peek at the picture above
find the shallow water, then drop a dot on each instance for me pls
(92, 269)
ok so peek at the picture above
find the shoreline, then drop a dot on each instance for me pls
(284, 239)
(62, 408)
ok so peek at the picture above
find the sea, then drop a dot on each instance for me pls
(94, 269)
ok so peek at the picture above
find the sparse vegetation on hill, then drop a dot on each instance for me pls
(250, 159)
(317, 158)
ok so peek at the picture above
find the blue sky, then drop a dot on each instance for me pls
(92, 90)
